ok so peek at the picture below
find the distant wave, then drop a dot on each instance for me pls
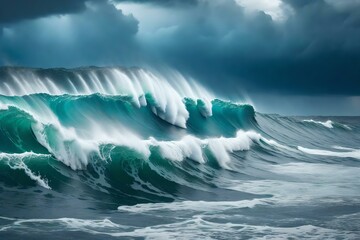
(328, 124)
(349, 153)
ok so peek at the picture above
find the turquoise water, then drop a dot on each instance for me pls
(124, 153)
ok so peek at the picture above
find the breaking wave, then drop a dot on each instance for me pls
(140, 142)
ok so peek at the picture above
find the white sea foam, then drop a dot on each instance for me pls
(344, 148)
(75, 149)
(21, 155)
(65, 144)
(328, 123)
(221, 147)
(3, 106)
(349, 153)
(277, 145)
(316, 172)
(16, 161)
(192, 147)
(199, 228)
(297, 183)
(195, 227)
(188, 147)
(194, 206)
(69, 224)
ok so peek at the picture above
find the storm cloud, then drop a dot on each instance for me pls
(312, 49)
(18, 10)
(169, 3)
(98, 35)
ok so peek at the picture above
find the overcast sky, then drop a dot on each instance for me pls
(285, 56)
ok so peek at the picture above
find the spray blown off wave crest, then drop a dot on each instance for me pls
(164, 94)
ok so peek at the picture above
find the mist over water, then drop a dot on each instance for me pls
(114, 152)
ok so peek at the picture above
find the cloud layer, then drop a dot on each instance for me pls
(313, 50)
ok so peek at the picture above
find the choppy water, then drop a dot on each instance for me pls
(125, 153)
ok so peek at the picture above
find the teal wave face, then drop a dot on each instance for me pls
(80, 111)
(16, 132)
(74, 130)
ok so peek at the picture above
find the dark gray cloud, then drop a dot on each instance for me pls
(316, 50)
(99, 35)
(17, 10)
(169, 3)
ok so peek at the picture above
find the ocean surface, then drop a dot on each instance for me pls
(109, 153)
